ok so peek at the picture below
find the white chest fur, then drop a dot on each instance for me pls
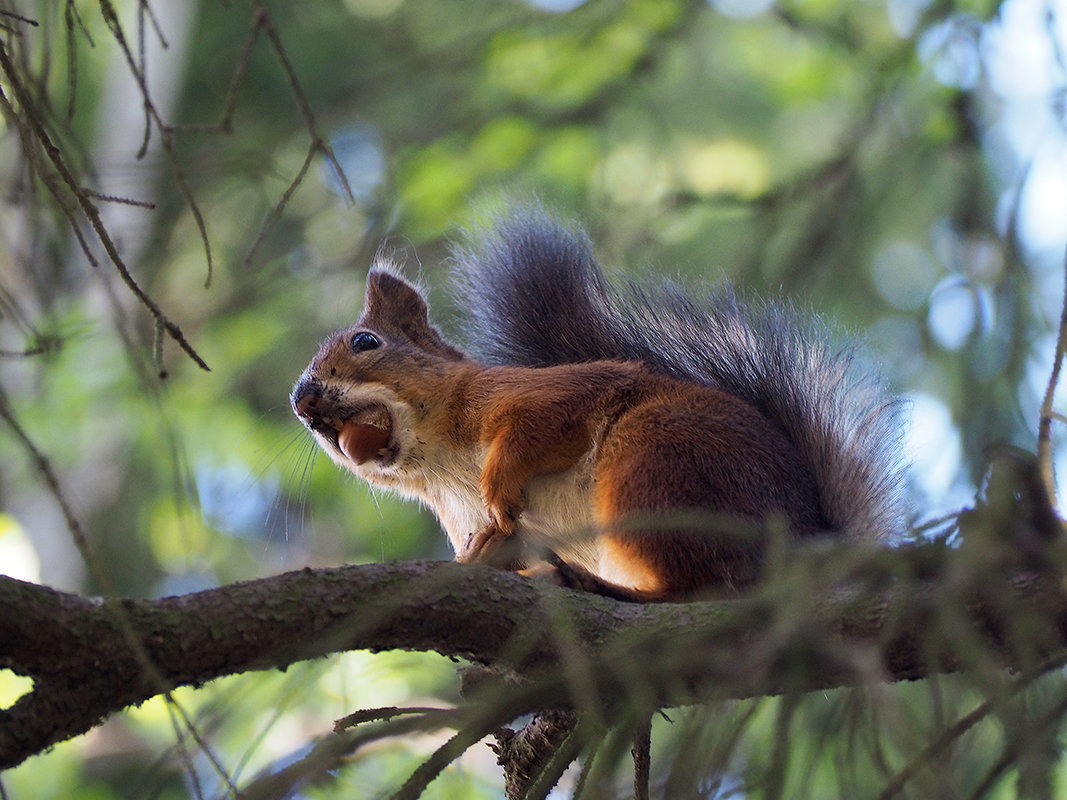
(558, 513)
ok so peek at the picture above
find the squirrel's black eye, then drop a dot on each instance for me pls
(364, 341)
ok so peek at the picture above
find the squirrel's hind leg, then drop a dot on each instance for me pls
(570, 576)
(692, 519)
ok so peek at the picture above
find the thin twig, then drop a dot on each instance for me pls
(126, 201)
(225, 123)
(180, 720)
(1046, 724)
(384, 714)
(29, 352)
(1044, 425)
(463, 740)
(51, 480)
(276, 212)
(237, 79)
(72, 9)
(954, 731)
(142, 71)
(18, 17)
(42, 170)
(88, 208)
(331, 750)
(145, 10)
(166, 139)
(301, 100)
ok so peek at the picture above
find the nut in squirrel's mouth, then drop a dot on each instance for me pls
(368, 435)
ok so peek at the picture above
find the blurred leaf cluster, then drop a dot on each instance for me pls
(849, 155)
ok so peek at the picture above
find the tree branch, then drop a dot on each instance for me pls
(83, 668)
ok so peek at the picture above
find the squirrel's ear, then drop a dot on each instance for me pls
(390, 297)
(394, 305)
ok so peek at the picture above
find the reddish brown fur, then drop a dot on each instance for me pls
(661, 447)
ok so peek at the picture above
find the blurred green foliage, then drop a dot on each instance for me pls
(798, 151)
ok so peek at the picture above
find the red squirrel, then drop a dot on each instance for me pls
(631, 441)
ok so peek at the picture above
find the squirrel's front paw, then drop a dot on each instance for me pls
(481, 545)
(496, 547)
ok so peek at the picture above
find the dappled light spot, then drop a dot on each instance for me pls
(904, 274)
(557, 6)
(18, 557)
(954, 312)
(951, 48)
(373, 9)
(933, 445)
(359, 152)
(12, 687)
(725, 167)
(741, 9)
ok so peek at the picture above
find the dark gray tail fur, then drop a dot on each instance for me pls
(537, 297)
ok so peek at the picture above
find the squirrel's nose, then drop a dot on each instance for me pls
(305, 400)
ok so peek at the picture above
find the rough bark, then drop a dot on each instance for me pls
(90, 658)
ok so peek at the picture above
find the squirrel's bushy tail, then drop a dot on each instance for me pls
(537, 297)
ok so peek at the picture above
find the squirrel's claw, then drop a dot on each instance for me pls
(481, 545)
(494, 545)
